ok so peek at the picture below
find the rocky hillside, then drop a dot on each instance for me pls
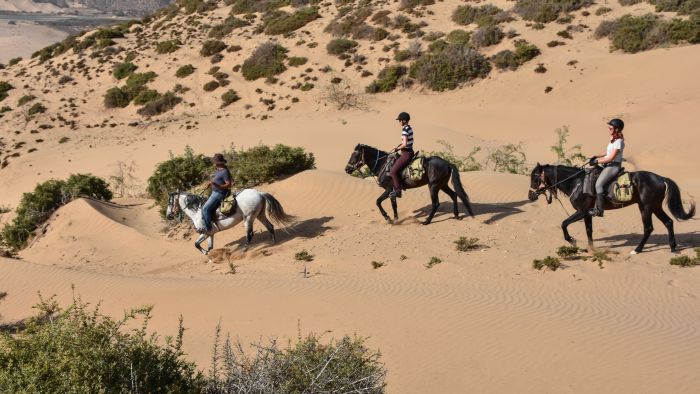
(256, 59)
(128, 7)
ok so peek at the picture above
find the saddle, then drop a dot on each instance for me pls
(414, 171)
(620, 190)
(228, 205)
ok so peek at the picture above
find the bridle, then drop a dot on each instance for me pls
(373, 167)
(175, 208)
(543, 188)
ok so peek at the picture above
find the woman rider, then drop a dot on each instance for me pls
(220, 187)
(612, 163)
(406, 149)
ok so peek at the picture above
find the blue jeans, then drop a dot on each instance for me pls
(210, 207)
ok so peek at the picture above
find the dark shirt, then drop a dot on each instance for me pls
(221, 176)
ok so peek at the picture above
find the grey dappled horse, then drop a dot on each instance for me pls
(250, 203)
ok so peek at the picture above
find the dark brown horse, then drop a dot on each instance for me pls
(649, 192)
(437, 173)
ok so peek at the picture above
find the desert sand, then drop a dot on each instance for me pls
(480, 321)
(24, 38)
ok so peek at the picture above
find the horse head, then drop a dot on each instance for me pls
(356, 159)
(173, 205)
(538, 183)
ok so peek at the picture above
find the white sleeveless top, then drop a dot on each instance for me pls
(620, 145)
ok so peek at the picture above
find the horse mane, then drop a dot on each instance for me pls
(560, 172)
(363, 146)
(193, 201)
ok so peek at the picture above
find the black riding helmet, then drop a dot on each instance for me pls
(617, 124)
(404, 116)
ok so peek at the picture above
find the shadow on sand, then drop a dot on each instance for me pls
(497, 211)
(305, 229)
(657, 241)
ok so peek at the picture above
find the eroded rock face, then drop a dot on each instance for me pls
(122, 6)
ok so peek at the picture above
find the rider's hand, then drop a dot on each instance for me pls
(593, 161)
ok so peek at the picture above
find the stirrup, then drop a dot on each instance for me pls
(596, 212)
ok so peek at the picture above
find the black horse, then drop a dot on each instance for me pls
(649, 191)
(437, 172)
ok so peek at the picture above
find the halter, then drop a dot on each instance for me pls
(373, 167)
(175, 208)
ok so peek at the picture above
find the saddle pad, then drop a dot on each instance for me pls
(622, 188)
(228, 206)
(415, 170)
(589, 181)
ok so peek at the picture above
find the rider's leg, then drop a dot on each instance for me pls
(209, 209)
(397, 168)
(609, 173)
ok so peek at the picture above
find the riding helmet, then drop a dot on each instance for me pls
(617, 124)
(404, 116)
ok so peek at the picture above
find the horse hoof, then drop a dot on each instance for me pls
(634, 252)
(572, 241)
(426, 223)
(458, 217)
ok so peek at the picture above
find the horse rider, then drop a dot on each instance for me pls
(221, 184)
(406, 149)
(612, 163)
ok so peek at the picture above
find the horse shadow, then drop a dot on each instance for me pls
(656, 241)
(304, 229)
(499, 211)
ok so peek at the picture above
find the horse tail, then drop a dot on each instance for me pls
(275, 210)
(457, 183)
(674, 203)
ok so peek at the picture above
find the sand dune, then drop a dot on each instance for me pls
(481, 321)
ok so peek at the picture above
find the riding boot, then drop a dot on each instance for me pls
(599, 206)
(395, 193)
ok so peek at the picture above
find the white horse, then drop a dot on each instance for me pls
(250, 206)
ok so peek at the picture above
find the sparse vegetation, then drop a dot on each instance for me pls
(463, 163)
(507, 59)
(280, 22)
(212, 47)
(185, 71)
(168, 46)
(211, 86)
(266, 61)
(229, 98)
(25, 99)
(38, 205)
(160, 105)
(339, 46)
(224, 29)
(509, 158)
(433, 262)
(303, 255)
(551, 263)
(116, 98)
(123, 70)
(633, 34)
(686, 261)
(387, 79)
(487, 35)
(37, 108)
(600, 257)
(14, 61)
(297, 61)
(545, 11)
(378, 264)
(568, 252)
(482, 15)
(567, 156)
(4, 88)
(181, 172)
(262, 164)
(464, 244)
(146, 96)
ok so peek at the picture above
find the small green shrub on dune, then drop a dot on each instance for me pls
(168, 46)
(280, 22)
(682, 7)
(633, 34)
(297, 61)
(464, 244)
(509, 158)
(387, 80)
(303, 255)
(567, 156)
(507, 59)
(79, 349)
(185, 71)
(339, 46)
(252, 6)
(463, 163)
(433, 262)
(211, 47)
(262, 164)
(14, 61)
(211, 86)
(136, 82)
(192, 6)
(453, 65)
(481, 15)
(458, 37)
(146, 96)
(101, 44)
(266, 61)
(123, 70)
(116, 98)
(549, 262)
(228, 98)
(224, 29)
(487, 35)
(38, 205)
(545, 11)
(35, 109)
(4, 88)
(108, 33)
(25, 99)
(181, 172)
(567, 252)
(162, 104)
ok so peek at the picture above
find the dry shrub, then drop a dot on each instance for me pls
(343, 96)
(163, 104)
(266, 61)
(449, 67)
(545, 11)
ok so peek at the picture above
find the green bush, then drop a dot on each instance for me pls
(224, 29)
(146, 96)
(682, 7)
(487, 35)
(463, 163)
(303, 255)
(458, 37)
(306, 366)
(211, 86)
(263, 164)
(387, 80)
(252, 6)
(297, 61)
(483, 15)
(266, 61)
(280, 22)
(169, 46)
(116, 98)
(185, 71)
(549, 262)
(339, 46)
(137, 80)
(14, 61)
(509, 158)
(178, 173)
(37, 108)
(78, 349)
(108, 33)
(633, 34)
(37, 206)
(211, 47)
(464, 244)
(4, 88)
(25, 99)
(567, 156)
(101, 44)
(123, 70)
(545, 11)
(229, 98)
(433, 262)
(568, 252)
(163, 104)
(449, 67)
(507, 59)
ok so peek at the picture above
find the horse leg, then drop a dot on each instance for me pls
(266, 222)
(381, 198)
(588, 219)
(211, 243)
(453, 196)
(435, 203)
(248, 231)
(648, 228)
(666, 220)
(578, 215)
(394, 207)
(198, 243)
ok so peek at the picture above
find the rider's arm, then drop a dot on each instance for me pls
(603, 159)
(404, 142)
(227, 182)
